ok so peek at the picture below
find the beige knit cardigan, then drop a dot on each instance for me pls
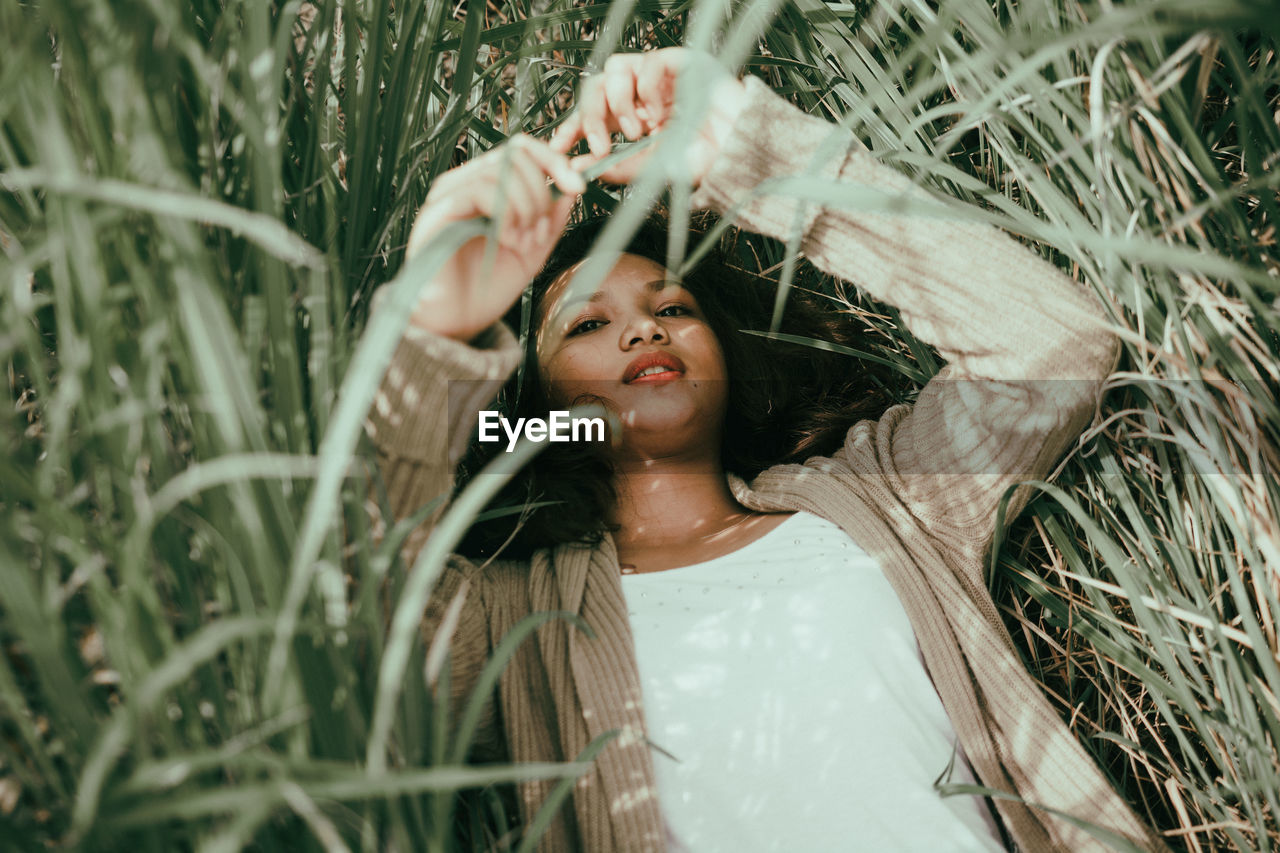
(918, 489)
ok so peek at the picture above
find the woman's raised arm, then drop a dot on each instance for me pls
(1026, 348)
(455, 353)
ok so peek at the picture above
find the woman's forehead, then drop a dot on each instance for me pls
(630, 271)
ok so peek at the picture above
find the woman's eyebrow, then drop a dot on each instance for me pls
(658, 284)
(662, 284)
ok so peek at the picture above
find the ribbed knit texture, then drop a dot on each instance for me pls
(918, 489)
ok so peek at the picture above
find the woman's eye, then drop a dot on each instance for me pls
(585, 326)
(673, 311)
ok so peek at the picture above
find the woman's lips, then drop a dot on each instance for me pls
(650, 378)
(671, 368)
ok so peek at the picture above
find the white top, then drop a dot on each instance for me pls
(788, 705)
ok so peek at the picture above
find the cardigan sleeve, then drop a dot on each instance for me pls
(422, 418)
(1025, 347)
(424, 411)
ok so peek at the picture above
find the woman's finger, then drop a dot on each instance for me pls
(621, 172)
(620, 94)
(656, 86)
(557, 166)
(499, 191)
(525, 183)
(568, 133)
(552, 225)
(593, 109)
(509, 182)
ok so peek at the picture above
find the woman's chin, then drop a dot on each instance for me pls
(667, 429)
(664, 420)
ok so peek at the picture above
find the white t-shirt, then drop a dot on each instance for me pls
(788, 704)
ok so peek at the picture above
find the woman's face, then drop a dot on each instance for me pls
(642, 346)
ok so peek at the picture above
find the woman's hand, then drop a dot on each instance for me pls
(512, 183)
(635, 95)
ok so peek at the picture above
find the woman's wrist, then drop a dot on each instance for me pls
(728, 97)
(440, 316)
(772, 139)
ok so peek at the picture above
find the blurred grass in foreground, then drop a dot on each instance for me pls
(198, 200)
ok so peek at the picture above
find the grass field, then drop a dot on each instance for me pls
(204, 643)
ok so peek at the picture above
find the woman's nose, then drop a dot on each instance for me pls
(642, 331)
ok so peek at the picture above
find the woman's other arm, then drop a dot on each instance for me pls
(1025, 347)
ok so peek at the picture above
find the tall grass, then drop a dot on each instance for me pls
(208, 641)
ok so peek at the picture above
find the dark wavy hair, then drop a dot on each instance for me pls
(786, 401)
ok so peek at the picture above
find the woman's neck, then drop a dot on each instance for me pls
(672, 501)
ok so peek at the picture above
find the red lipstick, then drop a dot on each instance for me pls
(674, 368)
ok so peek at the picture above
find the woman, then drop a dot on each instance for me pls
(906, 503)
